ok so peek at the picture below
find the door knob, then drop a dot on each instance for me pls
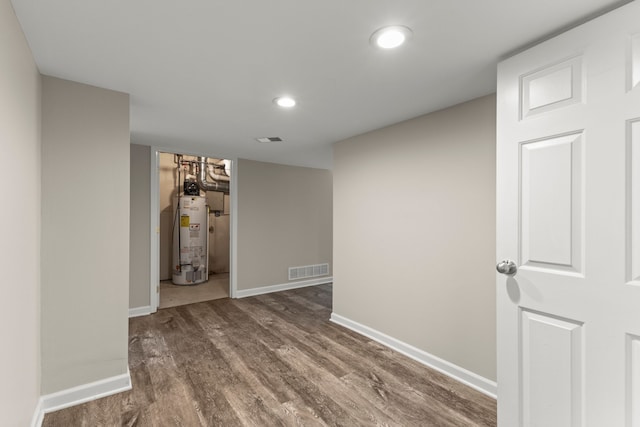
(507, 267)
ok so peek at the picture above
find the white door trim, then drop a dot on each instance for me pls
(233, 256)
(154, 232)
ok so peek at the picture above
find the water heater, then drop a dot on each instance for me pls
(190, 240)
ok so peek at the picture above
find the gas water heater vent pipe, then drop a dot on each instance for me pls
(212, 170)
(221, 186)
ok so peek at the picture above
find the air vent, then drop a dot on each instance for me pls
(269, 139)
(308, 271)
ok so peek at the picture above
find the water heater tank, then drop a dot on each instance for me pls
(190, 240)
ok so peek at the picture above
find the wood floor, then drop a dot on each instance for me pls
(273, 360)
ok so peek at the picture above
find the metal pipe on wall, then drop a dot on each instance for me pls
(221, 186)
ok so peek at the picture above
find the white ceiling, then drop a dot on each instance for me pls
(202, 74)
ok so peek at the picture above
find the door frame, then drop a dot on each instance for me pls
(154, 212)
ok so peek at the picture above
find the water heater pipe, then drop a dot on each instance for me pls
(221, 186)
(215, 175)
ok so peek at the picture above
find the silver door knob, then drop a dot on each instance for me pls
(507, 267)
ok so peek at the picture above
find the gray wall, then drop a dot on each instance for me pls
(284, 220)
(85, 233)
(414, 233)
(19, 224)
(139, 250)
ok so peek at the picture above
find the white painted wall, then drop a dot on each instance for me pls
(85, 233)
(414, 233)
(19, 224)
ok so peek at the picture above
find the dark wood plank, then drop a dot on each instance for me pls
(273, 360)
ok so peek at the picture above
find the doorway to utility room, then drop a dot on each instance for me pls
(194, 229)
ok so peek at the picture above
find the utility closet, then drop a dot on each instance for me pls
(194, 219)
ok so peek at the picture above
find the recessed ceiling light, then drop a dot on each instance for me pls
(390, 37)
(285, 101)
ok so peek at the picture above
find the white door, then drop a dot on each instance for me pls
(569, 217)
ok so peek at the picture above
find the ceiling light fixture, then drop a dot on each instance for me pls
(390, 37)
(285, 102)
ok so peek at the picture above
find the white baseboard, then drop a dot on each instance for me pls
(81, 394)
(38, 415)
(483, 385)
(140, 311)
(243, 293)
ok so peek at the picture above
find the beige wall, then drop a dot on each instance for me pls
(284, 220)
(85, 233)
(19, 224)
(139, 250)
(414, 233)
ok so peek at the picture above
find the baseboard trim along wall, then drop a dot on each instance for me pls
(140, 311)
(38, 415)
(80, 394)
(243, 293)
(483, 385)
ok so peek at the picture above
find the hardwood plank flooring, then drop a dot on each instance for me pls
(272, 360)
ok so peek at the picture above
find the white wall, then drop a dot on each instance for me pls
(414, 233)
(19, 224)
(284, 220)
(139, 249)
(85, 233)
